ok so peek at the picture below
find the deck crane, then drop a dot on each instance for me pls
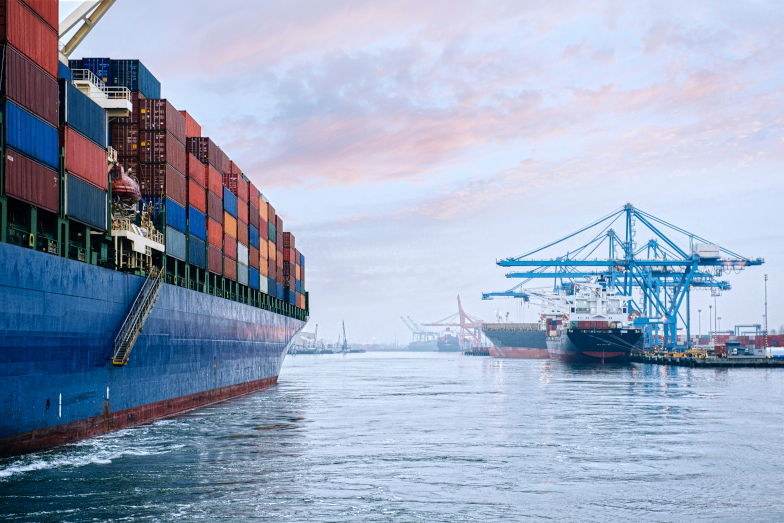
(662, 270)
(344, 347)
(470, 326)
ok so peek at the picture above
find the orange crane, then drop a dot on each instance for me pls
(470, 326)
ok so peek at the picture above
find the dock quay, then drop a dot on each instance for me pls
(724, 363)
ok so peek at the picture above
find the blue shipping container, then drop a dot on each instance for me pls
(298, 286)
(254, 278)
(133, 75)
(100, 67)
(272, 233)
(80, 113)
(254, 236)
(229, 202)
(272, 287)
(197, 223)
(301, 260)
(64, 72)
(280, 291)
(85, 203)
(197, 252)
(30, 135)
(175, 244)
(175, 217)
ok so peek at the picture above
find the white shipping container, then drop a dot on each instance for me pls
(242, 274)
(242, 254)
(264, 285)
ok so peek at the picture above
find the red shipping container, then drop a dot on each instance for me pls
(192, 128)
(253, 215)
(279, 261)
(125, 139)
(272, 269)
(242, 210)
(288, 240)
(23, 29)
(160, 115)
(288, 255)
(136, 98)
(253, 194)
(279, 276)
(31, 181)
(84, 159)
(214, 180)
(279, 242)
(214, 233)
(195, 170)
(47, 10)
(233, 168)
(263, 230)
(229, 246)
(270, 214)
(163, 180)
(279, 224)
(253, 254)
(288, 269)
(197, 196)
(229, 268)
(237, 185)
(215, 207)
(130, 163)
(208, 153)
(215, 260)
(161, 147)
(29, 86)
(242, 232)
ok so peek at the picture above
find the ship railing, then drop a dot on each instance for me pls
(110, 93)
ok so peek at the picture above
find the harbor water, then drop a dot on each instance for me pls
(435, 437)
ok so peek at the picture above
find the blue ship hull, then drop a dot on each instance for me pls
(58, 321)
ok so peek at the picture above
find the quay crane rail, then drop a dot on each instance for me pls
(663, 270)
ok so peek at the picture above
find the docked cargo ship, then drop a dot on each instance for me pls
(516, 340)
(594, 327)
(448, 342)
(142, 272)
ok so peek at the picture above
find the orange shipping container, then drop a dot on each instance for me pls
(263, 208)
(215, 233)
(230, 225)
(253, 255)
(263, 249)
(263, 267)
(273, 253)
(192, 128)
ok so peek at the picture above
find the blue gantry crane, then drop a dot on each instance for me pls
(662, 269)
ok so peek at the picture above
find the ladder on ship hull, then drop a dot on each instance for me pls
(137, 315)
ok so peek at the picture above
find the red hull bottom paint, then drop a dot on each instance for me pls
(519, 352)
(110, 421)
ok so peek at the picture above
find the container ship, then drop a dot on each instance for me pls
(142, 273)
(448, 342)
(594, 327)
(517, 340)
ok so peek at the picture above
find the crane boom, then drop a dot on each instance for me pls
(89, 12)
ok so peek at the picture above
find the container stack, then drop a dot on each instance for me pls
(293, 272)
(229, 235)
(29, 103)
(279, 256)
(253, 236)
(162, 164)
(238, 186)
(272, 252)
(263, 245)
(198, 225)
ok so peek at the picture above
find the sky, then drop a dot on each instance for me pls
(409, 145)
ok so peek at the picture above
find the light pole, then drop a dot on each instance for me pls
(710, 319)
(699, 321)
(718, 329)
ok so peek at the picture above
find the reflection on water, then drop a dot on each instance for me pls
(435, 437)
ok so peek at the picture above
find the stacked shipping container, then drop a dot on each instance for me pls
(212, 216)
(29, 104)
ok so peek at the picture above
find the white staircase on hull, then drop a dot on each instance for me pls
(115, 100)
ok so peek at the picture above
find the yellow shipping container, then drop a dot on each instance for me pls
(230, 225)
